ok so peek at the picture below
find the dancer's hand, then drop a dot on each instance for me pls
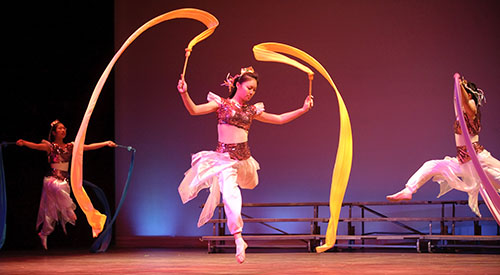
(110, 143)
(20, 142)
(182, 85)
(308, 103)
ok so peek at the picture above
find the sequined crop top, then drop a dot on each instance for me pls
(232, 113)
(473, 127)
(60, 154)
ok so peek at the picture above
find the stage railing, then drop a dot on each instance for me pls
(411, 237)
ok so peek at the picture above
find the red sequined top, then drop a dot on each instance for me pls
(232, 113)
(59, 154)
(473, 127)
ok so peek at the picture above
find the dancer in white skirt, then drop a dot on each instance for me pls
(458, 172)
(231, 165)
(56, 204)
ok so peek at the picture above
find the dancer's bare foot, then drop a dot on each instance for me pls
(241, 246)
(43, 238)
(403, 195)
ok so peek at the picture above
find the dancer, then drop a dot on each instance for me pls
(231, 165)
(458, 172)
(56, 204)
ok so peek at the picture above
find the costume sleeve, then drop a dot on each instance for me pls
(213, 97)
(259, 108)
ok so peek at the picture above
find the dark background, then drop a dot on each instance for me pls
(54, 53)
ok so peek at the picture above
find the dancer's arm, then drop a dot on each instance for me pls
(43, 146)
(191, 107)
(98, 145)
(286, 117)
(468, 103)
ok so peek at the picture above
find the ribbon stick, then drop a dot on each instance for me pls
(488, 192)
(273, 52)
(96, 219)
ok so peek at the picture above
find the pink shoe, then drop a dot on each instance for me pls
(43, 238)
(403, 195)
(241, 246)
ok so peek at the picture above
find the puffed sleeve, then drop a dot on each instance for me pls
(213, 97)
(259, 107)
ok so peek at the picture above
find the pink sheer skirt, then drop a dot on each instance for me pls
(56, 205)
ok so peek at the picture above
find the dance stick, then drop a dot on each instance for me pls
(488, 192)
(271, 52)
(94, 217)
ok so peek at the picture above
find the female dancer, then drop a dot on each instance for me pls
(458, 172)
(231, 165)
(56, 204)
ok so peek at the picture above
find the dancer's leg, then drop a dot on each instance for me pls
(492, 168)
(231, 195)
(423, 174)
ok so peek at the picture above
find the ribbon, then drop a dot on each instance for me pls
(273, 52)
(488, 192)
(102, 242)
(94, 217)
(3, 197)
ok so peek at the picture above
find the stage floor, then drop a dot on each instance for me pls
(196, 261)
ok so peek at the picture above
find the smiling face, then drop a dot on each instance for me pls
(245, 90)
(59, 132)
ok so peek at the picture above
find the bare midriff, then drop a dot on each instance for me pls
(231, 134)
(460, 142)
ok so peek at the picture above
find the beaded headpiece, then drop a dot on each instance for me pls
(472, 88)
(229, 82)
(54, 123)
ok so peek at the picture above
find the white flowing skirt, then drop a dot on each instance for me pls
(450, 174)
(206, 171)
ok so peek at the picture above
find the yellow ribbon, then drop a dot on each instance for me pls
(94, 217)
(274, 52)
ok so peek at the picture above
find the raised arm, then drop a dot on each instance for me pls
(467, 102)
(42, 146)
(191, 107)
(286, 117)
(98, 145)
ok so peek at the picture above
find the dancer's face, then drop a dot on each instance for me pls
(60, 131)
(246, 90)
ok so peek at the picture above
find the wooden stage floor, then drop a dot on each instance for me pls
(197, 261)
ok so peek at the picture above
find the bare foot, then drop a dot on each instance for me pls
(43, 238)
(241, 246)
(403, 195)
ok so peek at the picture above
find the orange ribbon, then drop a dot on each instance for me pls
(273, 52)
(94, 217)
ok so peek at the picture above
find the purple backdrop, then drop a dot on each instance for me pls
(393, 62)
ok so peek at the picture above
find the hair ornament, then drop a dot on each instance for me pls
(474, 90)
(229, 82)
(54, 123)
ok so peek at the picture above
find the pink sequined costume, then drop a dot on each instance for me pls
(56, 204)
(226, 169)
(458, 172)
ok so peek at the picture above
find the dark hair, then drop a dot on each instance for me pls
(53, 129)
(471, 89)
(243, 78)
